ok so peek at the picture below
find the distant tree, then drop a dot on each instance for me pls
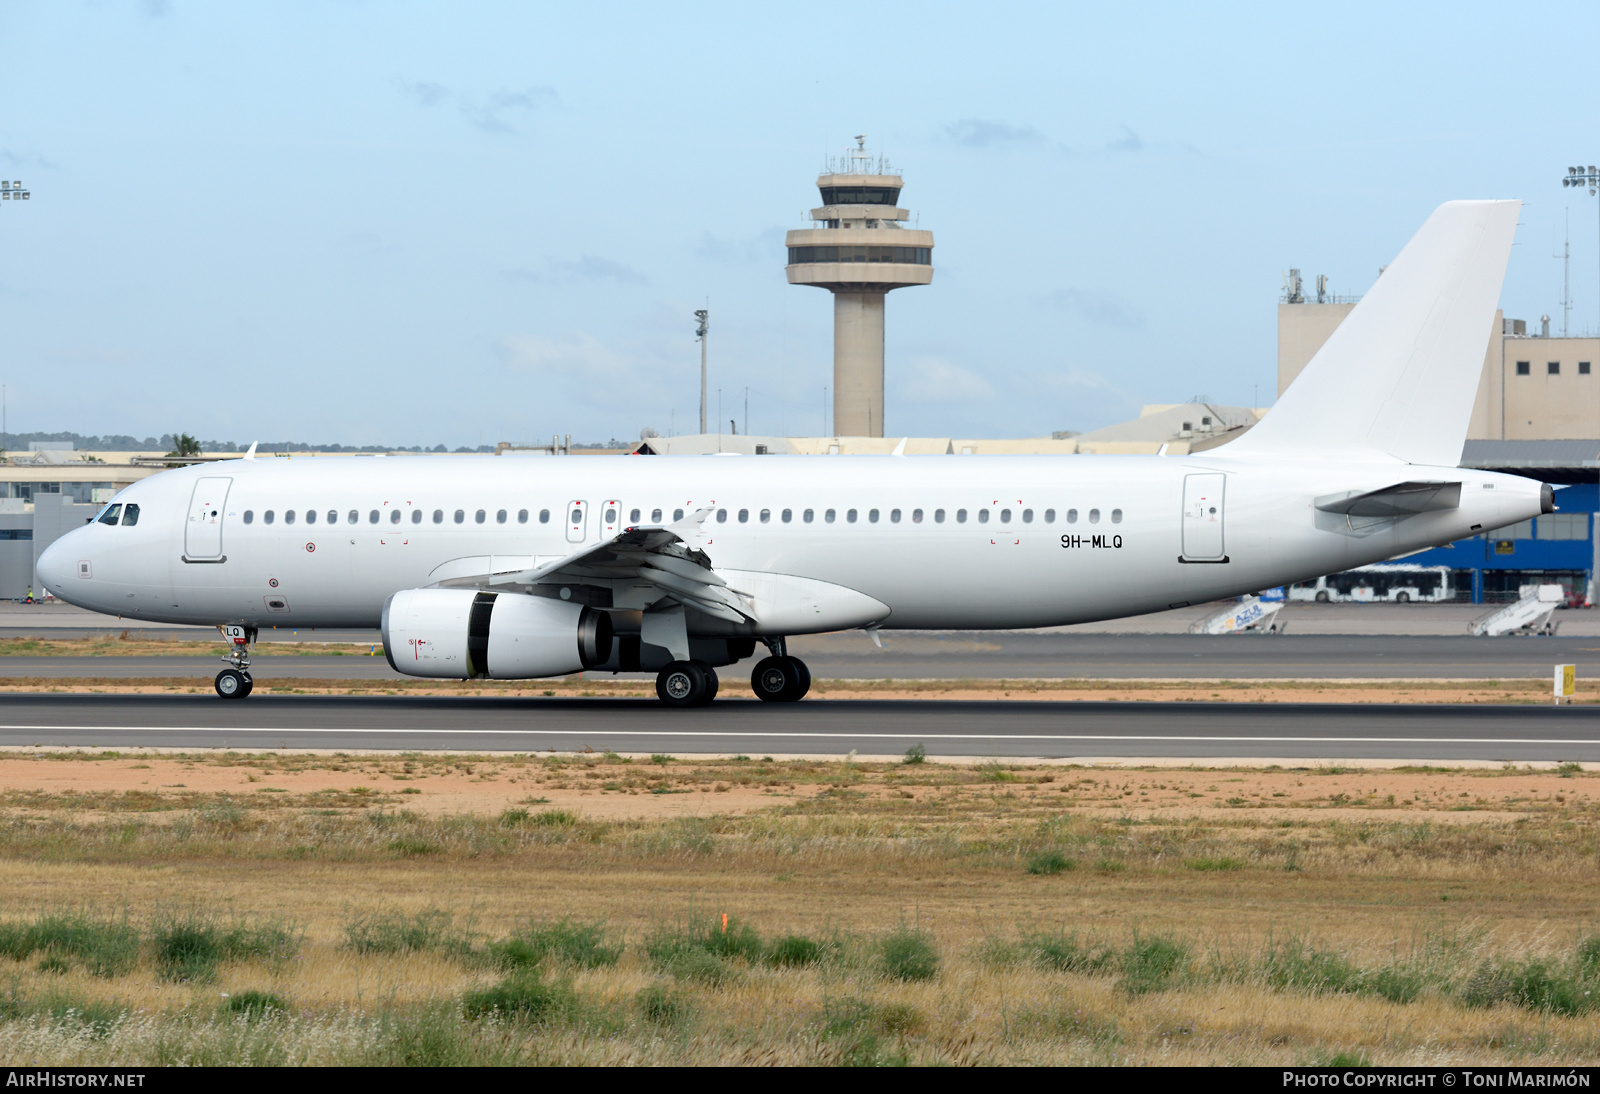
(184, 445)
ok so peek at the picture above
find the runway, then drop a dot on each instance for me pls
(1010, 655)
(1306, 732)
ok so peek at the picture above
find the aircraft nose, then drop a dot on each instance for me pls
(57, 564)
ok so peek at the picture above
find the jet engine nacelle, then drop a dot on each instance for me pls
(460, 633)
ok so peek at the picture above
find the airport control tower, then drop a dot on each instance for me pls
(858, 251)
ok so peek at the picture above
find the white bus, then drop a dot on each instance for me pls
(1394, 582)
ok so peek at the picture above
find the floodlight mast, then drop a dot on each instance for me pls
(10, 190)
(1579, 177)
(704, 317)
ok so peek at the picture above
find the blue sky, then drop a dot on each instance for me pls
(426, 223)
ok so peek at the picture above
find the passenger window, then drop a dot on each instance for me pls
(130, 516)
(850, 516)
(352, 516)
(500, 517)
(1027, 516)
(249, 516)
(633, 516)
(894, 516)
(916, 516)
(288, 516)
(808, 515)
(1072, 516)
(438, 516)
(333, 516)
(1049, 516)
(744, 516)
(938, 516)
(677, 514)
(983, 516)
(544, 516)
(1005, 516)
(372, 517)
(961, 516)
(872, 515)
(828, 516)
(111, 514)
(788, 515)
(522, 516)
(1116, 516)
(480, 515)
(655, 516)
(611, 516)
(311, 516)
(416, 516)
(766, 516)
(394, 516)
(722, 516)
(1094, 516)
(461, 515)
(266, 518)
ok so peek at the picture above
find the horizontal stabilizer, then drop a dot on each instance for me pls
(1403, 499)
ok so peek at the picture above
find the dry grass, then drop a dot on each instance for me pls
(1283, 914)
(124, 645)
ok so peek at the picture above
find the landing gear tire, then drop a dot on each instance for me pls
(232, 684)
(685, 684)
(249, 684)
(780, 679)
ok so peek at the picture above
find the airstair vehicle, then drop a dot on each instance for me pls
(1251, 613)
(1529, 615)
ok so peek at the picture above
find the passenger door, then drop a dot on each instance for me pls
(202, 535)
(1202, 518)
(577, 521)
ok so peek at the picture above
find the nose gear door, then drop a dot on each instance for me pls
(202, 535)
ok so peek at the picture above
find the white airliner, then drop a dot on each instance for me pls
(518, 568)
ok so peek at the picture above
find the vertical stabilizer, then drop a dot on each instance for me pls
(1399, 375)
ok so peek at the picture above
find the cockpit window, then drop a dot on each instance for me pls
(130, 516)
(111, 514)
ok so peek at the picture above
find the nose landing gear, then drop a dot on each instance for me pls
(235, 681)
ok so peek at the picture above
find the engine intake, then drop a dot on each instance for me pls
(458, 634)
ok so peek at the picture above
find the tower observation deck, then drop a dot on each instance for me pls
(859, 250)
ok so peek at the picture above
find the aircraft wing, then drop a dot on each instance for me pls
(658, 558)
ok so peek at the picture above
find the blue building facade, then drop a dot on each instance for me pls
(1558, 548)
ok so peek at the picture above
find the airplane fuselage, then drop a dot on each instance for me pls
(942, 542)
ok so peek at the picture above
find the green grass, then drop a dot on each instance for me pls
(916, 754)
(432, 931)
(255, 1005)
(189, 948)
(582, 945)
(908, 954)
(524, 996)
(1050, 862)
(105, 947)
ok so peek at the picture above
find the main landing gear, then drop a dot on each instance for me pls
(234, 682)
(780, 679)
(776, 679)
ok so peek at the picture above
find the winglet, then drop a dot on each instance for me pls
(900, 449)
(250, 455)
(689, 525)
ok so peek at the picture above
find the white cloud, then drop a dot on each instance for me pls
(577, 355)
(935, 380)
